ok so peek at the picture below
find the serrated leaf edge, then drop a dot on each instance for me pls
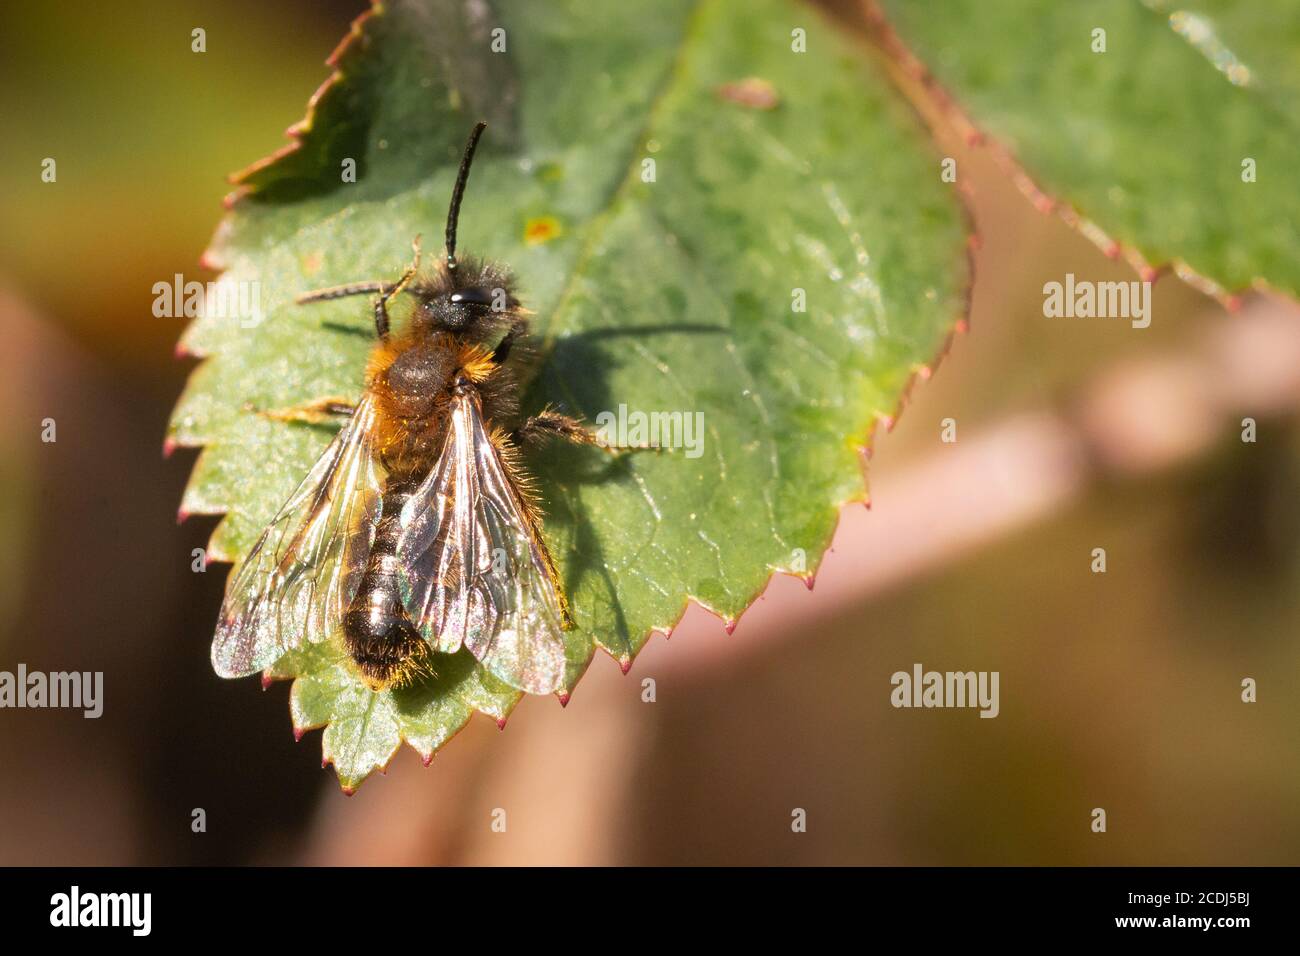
(210, 259)
(901, 58)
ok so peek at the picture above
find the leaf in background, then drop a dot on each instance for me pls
(1146, 140)
(805, 173)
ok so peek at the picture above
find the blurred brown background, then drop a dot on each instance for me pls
(1119, 690)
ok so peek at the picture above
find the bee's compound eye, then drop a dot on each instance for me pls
(474, 295)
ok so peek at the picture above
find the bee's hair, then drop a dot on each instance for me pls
(470, 271)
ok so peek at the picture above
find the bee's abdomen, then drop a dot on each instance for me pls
(382, 641)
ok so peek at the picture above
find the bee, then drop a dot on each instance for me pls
(417, 531)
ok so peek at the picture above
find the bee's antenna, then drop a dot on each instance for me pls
(458, 192)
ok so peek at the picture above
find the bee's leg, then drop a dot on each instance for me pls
(381, 316)
(341, 291)
(550, 424)
(316, 412)
(381, 303)
(386, 291)
(518, 327)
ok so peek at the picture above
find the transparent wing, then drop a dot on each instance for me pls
(297, 581)
(474, 572)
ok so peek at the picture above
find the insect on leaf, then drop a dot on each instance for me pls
(759, 276)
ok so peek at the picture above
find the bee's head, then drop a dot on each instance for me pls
(465, 295)
(473, 297)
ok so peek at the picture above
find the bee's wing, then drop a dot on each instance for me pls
(474, 571)
(297, 581)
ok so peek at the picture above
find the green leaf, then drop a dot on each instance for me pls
(364, 729)
(1146, 141)
(670, 295)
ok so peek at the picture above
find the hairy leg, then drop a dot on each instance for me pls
(385, 290)
(316, 412)
(549, 425)
(519, 327)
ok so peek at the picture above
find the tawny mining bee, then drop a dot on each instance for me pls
(417, 530)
